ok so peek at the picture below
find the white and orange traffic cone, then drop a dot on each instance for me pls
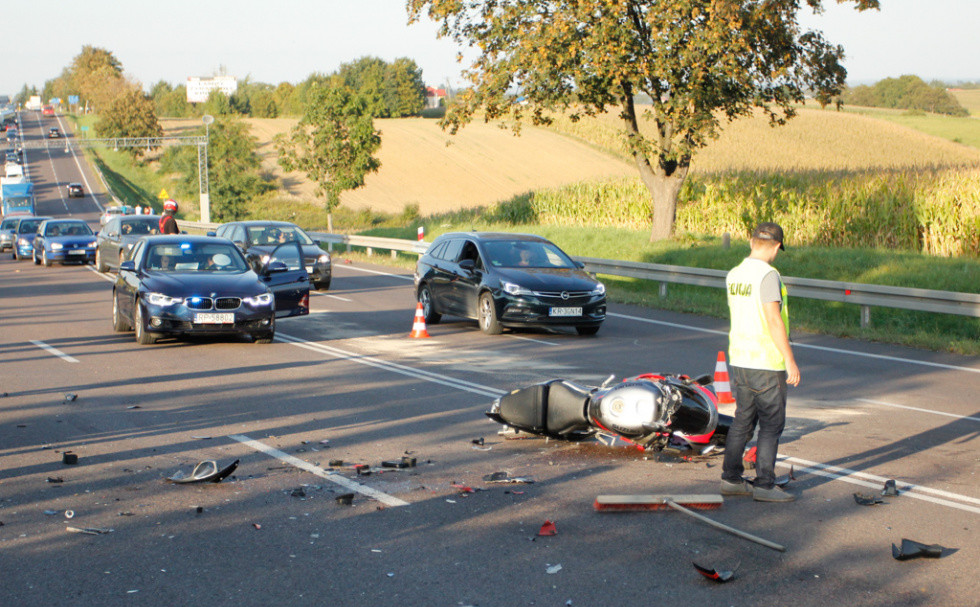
(418, 329)
(723, 388)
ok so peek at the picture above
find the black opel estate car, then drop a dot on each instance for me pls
(507, 280)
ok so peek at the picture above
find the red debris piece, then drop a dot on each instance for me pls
(548, 528)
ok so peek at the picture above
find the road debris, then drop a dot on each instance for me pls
(890, 489)
(346, 499)
(256, 525)
(547, 529)
(504, 478)
(867, 499)
(70, 397)
(553, 568)
(404, 462)
(298, 492)
(69, 458)
(89, 530)
(205, 472)
(55, 479)
(69, 514)
(134, 407)
(715, 575)
(911, 550)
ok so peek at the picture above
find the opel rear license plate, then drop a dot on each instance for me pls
(565, 312)
(213, 319)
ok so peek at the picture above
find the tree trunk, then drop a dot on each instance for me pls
(664, 191)
(329, 222)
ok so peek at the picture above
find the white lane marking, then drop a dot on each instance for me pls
(797, 344)
(54, 171)
(346, 483)
(537, 341)
(884, 404)
(377, 272)
(905, 489)
(71, 149)
(378, 363)
(100, 274)
(329, 295)
(53, 350)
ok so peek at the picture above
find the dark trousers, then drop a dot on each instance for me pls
(760, 397)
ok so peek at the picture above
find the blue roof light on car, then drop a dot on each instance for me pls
(194, 300)
(185, 245)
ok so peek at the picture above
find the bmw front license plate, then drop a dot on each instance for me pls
(213, 319)
(565, 312)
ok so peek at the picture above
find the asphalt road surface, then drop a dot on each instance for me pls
(347, 384)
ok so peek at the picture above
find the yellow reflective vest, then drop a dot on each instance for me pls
(749, 343)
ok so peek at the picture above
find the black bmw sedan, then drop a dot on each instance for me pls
(182, 285)
(257, 239)
(507, 280)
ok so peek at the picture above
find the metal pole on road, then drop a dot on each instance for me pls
(202, 170)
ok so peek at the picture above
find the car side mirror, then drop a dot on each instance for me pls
(212, 234)
(127, 266)
(275, 266)
(580, 265)
(467, 264)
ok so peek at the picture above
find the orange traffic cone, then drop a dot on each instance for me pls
(722, 386)
(418, 329)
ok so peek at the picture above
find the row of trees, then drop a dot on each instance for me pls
(390, 90)
(906, 93)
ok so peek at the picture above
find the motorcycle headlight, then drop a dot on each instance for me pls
(600, 289)
(57, 246)
(515, 289)
(159, 299)
(324, 258)
(257, 301)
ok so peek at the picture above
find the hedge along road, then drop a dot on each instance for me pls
(349, 375)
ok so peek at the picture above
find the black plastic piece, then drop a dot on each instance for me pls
(867, 499)
(891, 489)
(206, 472)
(715, 575)
(912, 550)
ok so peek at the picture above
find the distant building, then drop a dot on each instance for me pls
(434, 97)
(198, 89)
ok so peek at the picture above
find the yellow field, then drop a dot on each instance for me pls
(420, 164)
(968, 98)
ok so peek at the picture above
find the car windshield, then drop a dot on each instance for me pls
(195, 257)
(274, 235)
(29, 227)
(67, 228)
(525, 254)
(139, 227)
(8, 224)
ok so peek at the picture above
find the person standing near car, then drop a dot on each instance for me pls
(762, 364)
(168, 225)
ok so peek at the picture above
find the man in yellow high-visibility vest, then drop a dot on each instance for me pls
(762, 365)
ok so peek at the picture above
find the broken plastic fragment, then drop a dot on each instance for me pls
(205, 472)
(88, 530)
(55, 479)
(477, 441)
(69, 458)
(298, 492)
(714, 574)
(70, 396)
(866, 499)
(911, 549)
(548, 528)
(346, 499)
(891, 489)
(553, 568)
(503, 477)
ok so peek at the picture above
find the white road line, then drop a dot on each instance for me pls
(329, 295)
(380, 273)
(343, 481)
(797, 344)
(884, 404)
(100, 274)
(55, 351)
(865, 480)
(537, 341)
(71, 150)
(378, 363)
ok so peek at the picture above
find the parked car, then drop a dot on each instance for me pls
(63, 240)
(182, 285)
(118, 237)
(24, 234)
(507, 280)
(54, 133)
(75, 190)
(7, 228)
(257, 239)
(112, 211)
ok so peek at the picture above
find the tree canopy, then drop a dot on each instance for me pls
(907, 93)
(333, 143)
(131, 114)
(698, 61)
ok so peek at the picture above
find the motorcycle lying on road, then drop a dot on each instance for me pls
(658, 412)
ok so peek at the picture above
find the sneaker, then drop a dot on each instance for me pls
(775, 494)
(734, 489)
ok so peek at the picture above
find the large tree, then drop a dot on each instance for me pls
(131, 114)
(698, 62)
(97, 76)
(333, 143)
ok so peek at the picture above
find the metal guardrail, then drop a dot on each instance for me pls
(864, 295)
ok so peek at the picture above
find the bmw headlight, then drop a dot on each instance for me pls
(257, 301)
(515, 289)
(600, 289)
(324, 258)
(159, 299)
(57, 246)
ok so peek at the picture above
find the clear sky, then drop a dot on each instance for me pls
(273, 41)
